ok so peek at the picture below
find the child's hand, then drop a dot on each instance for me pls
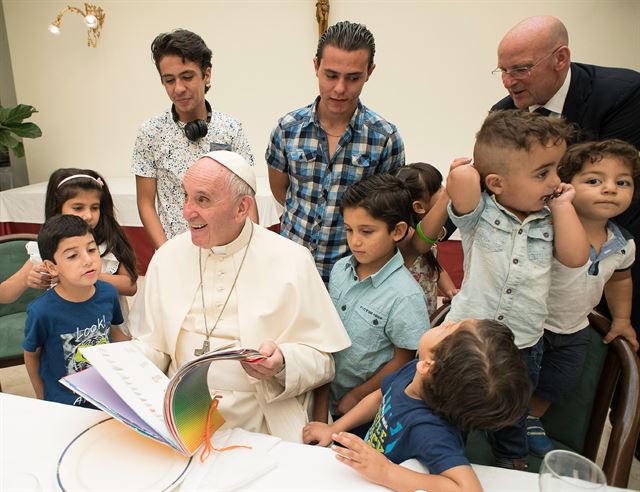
(622, 328)
(346, 403)
(39, 277)
(317, 433)
(449, 293)
(360, 456)
(460, 161)
(562, 195)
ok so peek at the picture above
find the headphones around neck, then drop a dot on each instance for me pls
(196, 129)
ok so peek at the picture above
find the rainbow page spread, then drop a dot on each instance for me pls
(128, 386)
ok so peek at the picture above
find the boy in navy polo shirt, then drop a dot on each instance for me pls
(79, 311)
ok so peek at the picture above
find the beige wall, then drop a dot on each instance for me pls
(432, 78)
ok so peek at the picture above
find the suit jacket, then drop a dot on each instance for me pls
(605, 103)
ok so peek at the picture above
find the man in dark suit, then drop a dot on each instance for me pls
(535, 63)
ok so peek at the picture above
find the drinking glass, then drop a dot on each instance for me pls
(564, 471)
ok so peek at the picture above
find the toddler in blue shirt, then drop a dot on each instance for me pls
(514, 217)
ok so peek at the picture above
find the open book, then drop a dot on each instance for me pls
(128, 386)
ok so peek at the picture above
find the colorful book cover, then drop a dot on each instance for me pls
(128, 386)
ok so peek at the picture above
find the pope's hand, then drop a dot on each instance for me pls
(268, 367)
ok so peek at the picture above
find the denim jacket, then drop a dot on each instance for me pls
(507, 268)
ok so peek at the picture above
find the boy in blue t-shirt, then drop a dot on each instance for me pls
(78, 312)
(379, 302)
(469, 375)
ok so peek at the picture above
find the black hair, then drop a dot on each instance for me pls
(591, 152)
(479, 380)
(347, 36)
(422, 181)
(185, 44)
(57, 228)
(383, 196)
(107, 231)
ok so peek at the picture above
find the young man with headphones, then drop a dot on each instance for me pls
(168, 144)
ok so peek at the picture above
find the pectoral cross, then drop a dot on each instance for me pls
(203, 350)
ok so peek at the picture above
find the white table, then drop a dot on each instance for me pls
(26, 204)
(33, 434)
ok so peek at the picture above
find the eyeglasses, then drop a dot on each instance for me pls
(522, 72)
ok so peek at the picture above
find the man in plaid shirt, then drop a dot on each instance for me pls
(317, 151)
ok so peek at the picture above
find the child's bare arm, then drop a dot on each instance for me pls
(32, 364)
(14, 286)
(570, 242)
(432, 223)
(446, 286)
(321, 403)
(363, 412)
(121, 280)
(463, 186)
(29, 276)
(617, 291)
(375, 467)
(400, 358)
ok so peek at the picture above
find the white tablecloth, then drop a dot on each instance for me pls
(34, 433)
(26, 204)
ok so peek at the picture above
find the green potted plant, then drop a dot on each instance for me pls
(12, 126)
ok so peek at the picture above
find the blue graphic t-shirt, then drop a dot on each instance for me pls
(59, 327)
(406, 428)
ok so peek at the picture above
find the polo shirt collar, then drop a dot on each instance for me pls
(396, 262)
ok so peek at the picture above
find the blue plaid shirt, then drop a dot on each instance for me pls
(300, 148)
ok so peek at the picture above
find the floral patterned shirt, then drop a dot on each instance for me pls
(427, 280)
(163, 152)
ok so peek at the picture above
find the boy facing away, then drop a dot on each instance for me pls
(514, 217)
(605, 177)
(379, 302)
(469, 375)
(78, 312)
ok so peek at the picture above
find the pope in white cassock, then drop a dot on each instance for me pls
(228, 280)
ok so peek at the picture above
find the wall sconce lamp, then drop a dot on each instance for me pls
(93, 19)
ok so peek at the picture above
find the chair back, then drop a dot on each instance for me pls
(439, 315)
(13, 255)
(576, 423)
